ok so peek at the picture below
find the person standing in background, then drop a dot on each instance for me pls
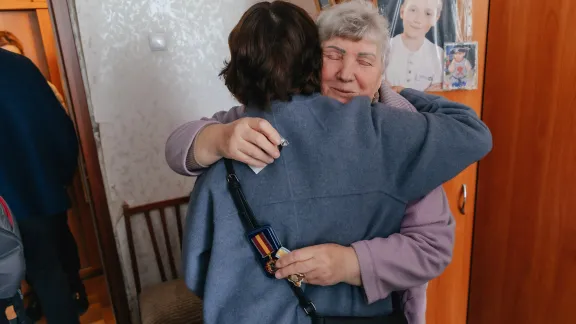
(67, 243)
(40, 139)
(11, 43)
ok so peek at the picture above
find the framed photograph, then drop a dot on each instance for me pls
(460, 66)
(333, 2)
(323, 4)
(418, 31)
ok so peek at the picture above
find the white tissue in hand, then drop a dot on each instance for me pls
(256, 169)
(283, 142)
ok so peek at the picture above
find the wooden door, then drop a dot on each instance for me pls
(30, 22)
(524, 256)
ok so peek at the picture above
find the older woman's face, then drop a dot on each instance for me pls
(350, 68)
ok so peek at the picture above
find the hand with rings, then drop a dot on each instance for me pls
(297, 279)
(323, 265)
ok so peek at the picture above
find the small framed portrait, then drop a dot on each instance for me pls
(460, 66)
(325, 4)
(334, 2)
(322, 4)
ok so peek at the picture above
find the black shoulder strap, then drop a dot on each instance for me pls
(244, 210)
(250, 224)
(396, 301)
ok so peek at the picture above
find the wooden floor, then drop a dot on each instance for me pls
(100, 311)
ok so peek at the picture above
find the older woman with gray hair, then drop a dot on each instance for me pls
(355, 43)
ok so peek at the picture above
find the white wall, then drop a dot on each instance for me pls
(138, 97)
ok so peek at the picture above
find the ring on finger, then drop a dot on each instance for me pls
(297, 279)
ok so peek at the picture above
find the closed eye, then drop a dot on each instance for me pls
(333, 55)
(365, 62)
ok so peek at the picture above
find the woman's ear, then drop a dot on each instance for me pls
(376, 97)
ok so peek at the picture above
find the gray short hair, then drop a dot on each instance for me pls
(355, 20)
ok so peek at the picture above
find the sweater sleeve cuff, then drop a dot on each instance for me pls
(192, 166)
(367, 271)
(191, 163)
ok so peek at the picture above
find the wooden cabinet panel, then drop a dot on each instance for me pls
(22, 4)
(448, 294)
(524, 254)
(50, 48)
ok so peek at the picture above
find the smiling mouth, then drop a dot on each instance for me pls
(344, 92)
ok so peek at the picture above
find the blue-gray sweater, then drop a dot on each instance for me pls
(315, 194)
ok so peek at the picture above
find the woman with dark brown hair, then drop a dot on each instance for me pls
(313, 193)
(271, 60)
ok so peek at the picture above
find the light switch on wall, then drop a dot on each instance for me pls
(157, 41)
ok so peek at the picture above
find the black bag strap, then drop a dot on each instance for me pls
(250, 224)
(244, 210)
(396, 302)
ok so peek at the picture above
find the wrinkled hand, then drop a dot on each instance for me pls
(250, 140)
(323, 265)
(434, 87)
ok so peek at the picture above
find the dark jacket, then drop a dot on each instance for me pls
(38, 143)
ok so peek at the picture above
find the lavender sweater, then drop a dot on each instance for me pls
(406, 260)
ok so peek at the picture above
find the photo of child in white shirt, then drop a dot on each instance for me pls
(416, 62)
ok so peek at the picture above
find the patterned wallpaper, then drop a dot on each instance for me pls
(138, 97)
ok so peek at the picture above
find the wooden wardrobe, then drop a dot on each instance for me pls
(448, 294)
(524, 253)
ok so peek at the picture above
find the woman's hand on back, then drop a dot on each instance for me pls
(322, 265)
(249, 140)
(434, 87)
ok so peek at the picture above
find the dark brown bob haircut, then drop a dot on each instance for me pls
(275, 54)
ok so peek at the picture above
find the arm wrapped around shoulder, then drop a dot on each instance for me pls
(425, 149)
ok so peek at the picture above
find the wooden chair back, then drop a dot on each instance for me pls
(131, 212)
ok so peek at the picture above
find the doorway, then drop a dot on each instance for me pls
(48, 42)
